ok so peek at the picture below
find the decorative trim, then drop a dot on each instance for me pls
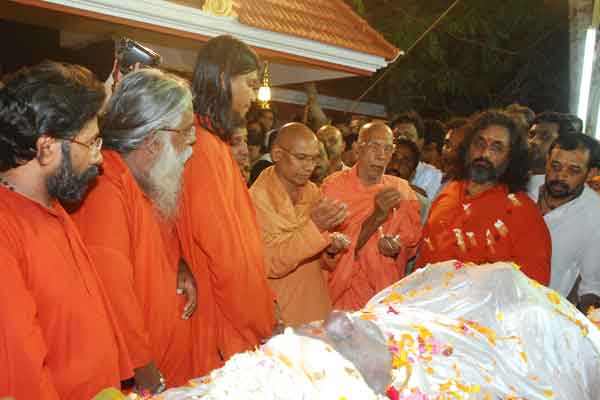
(328, 102)
(179, 17)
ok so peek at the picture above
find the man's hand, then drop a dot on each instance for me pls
(327, 214)
(339, 243)
(186, 284)
(389, 246)
(149, 379)
(385, 201)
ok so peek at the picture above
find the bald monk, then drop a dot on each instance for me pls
(217, 222)
(383, 222)
(128, 223)
(295, 221)
(58, 337)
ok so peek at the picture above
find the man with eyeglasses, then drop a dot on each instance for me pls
(58, 333)
(383, 223)
(485, 215)
(128, 223)
(296, 222)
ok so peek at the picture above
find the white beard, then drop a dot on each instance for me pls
(162, 182)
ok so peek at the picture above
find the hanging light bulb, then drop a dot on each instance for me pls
(264, 92)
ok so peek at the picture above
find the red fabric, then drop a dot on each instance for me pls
(222, 243)
(355, 280)
(526, 239)
(138, 258)
(58, 337)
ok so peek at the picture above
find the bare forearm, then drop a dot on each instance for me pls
(368, 228)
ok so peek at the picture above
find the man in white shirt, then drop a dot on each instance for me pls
(410, 126)
(546, 127)
(572, 211)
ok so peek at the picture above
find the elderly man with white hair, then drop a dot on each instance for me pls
(127, 222)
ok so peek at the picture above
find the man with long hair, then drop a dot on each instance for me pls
(128, 223)
(59, 338)
(486, 216)
(217, 223)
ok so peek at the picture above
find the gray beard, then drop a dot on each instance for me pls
(162, 181)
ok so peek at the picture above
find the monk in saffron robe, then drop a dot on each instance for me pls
(128, 223)
(58, 337)
(486, 216)
(217, 223)
(294, 224)
(383, 222)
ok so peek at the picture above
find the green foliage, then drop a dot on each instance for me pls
(483, 54)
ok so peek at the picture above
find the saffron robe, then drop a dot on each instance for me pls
(58, 336)
(356, 279)
(138, 265)
(221, 241)
(490, 227)
(293, 244)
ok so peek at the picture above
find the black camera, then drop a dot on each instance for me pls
(130, 52)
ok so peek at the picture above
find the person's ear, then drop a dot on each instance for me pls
(48, 150)
(222, 80)
(591, 173)
(355, 149)
(338, 325)
(276, 153)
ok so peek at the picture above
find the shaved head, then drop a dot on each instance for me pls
(374, 151)
(378, 129)
(292, 133)
(295, 154)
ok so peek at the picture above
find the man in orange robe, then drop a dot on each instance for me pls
(58, 337)
(217, 223)
(295, 223)
(128, 223)
(383, 222)
(487, 216)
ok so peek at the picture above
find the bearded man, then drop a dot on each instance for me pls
(128, 223)
(59, 337)
(485, 216)
(572, 210)
(546, 128)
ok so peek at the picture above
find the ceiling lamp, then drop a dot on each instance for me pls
(264, 92)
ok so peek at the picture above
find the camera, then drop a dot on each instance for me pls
(129, 52)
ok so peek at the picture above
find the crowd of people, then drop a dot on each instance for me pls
(150, 232)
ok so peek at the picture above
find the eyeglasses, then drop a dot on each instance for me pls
(95, 146)
(304, 158)
(388, 149)
(482, 145)
(191, 130)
